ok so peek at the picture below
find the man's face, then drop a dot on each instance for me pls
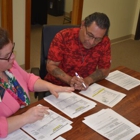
(91, 36)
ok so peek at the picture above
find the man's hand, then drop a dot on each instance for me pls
(77, 83)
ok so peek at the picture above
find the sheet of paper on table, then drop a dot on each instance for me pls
(112, 125)
(17, 135)
(123, 80)
(51, 126)
(103, 95)
(60, 138)
(71, 104)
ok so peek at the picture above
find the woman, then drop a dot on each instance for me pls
(15, 83)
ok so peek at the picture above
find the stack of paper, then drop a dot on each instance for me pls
(71, 104)
(51, 126)
(123, 80)
(112, 125)
(103, 95)
(17, 135)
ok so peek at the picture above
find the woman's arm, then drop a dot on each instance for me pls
(30, 116)
(42, 85)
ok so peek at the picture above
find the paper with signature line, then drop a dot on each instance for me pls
(103, 95)
(71, 104)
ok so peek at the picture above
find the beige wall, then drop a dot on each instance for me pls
(120, 12)
(19, 29)
(68, 5)
(136, 17)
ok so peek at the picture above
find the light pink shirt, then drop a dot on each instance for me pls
(9, 105)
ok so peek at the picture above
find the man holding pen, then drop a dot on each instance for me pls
(80, 56)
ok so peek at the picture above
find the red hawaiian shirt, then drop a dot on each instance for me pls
(67, 49)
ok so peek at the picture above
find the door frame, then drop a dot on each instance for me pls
(27, 33)
(137, 33)
(77, 12)
(76, 19)
(7, 16)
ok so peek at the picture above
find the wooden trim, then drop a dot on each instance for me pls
(7, 16)
(77, 12)
(137, 34)
(27, 33)
(123, 38)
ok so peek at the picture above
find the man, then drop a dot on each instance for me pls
(84, 51)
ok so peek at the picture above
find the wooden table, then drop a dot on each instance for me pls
(129, 108)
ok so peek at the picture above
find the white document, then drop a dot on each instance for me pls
(123, 80)
(112, 125)
(71, 104)
(103, 95)
(17, 135)
(51, 126)
(60, 138)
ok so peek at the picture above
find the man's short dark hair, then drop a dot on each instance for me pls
(101, 20)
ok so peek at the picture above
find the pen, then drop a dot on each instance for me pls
(76, 74)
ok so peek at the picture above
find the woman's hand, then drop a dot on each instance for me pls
(34, 114)
(30, 116)
(54, 89)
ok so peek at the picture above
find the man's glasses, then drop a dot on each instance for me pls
(91, 36)
(9, 56)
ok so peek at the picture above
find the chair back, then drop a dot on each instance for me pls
(48, 33)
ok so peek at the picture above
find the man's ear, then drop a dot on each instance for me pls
(82, 23)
